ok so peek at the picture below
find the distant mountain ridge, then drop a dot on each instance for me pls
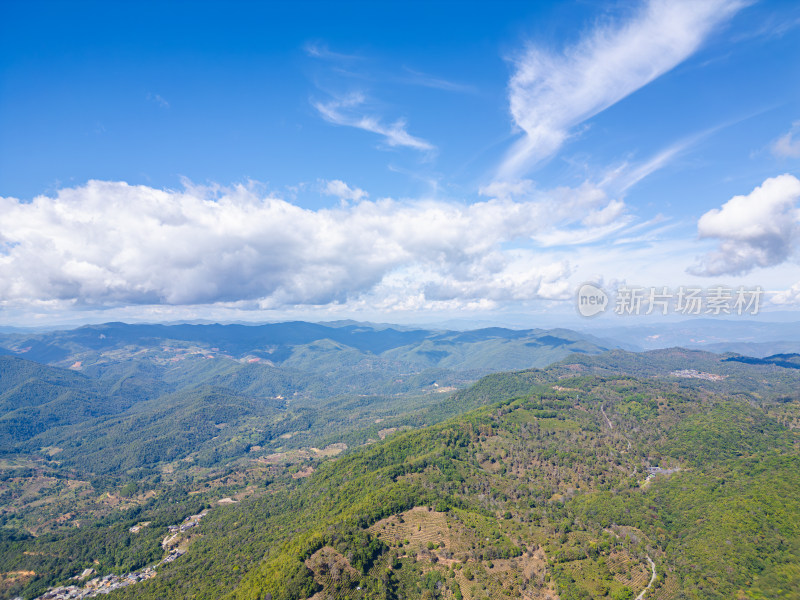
(486, 350)
(788, 361)
(757, 338)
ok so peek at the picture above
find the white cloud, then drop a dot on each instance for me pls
(492, 281)
(508, 190)
(112, 244)
(348, 111)
(437, 83)
(158, 99)
(319, 49)
(550, 93)
(626, 175)
(570, 216)
(790, 297)
(757, 230)
(598, 208)
(343, 191)
(787, 146)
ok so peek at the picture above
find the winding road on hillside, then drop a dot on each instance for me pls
(652, 579)
(611, 425)
(605, 416)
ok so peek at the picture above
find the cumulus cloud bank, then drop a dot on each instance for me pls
(550, 93)
(760, 229)
(108, 243)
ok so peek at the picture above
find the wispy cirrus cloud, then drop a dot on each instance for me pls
(356, 66)
(158, 99)
(352, 109)
(552, 92)
(319, 49)
(431, 81)
(627, 175)
(596, 208)
(349, 110)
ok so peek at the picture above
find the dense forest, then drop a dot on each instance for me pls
(602, 475)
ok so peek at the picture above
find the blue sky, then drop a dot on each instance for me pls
(391, 161)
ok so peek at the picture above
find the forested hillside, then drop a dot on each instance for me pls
(565, 482)
(127, 401)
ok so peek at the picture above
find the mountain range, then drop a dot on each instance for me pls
(304, 460)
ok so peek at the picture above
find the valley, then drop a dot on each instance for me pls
(607, 474)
